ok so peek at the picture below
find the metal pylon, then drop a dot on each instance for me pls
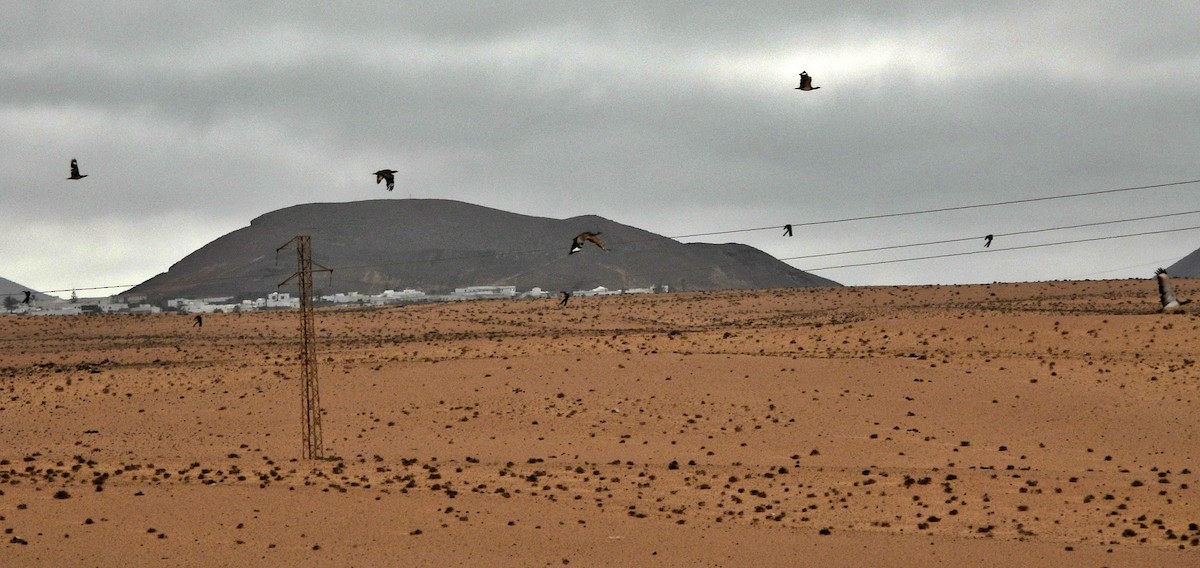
(310, 394)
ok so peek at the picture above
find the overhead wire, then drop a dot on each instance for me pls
(975, 238)
(944, 209)
(497, 254)
(997, 250)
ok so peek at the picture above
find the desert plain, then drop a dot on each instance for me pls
(1030, 424)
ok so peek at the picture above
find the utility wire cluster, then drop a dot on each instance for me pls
(777, 227)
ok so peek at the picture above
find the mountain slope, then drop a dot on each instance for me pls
(10, 288)
(1186, 267)
(437, 245)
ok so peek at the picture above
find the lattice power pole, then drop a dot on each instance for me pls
(310, 395)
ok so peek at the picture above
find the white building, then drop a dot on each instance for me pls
(349, 298)
(282, 300)
(597, 291)
(536, 292)
(406, 295)
(482, 292)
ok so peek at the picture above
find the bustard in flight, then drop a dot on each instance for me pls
(386, 175)
(75, 170)
(586, 237)
(1166, 293)
(806, 82)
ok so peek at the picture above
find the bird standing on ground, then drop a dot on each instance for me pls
(1166, 293)
(386, 175)
(586, 237)
(987, 241)
(566, 296)
(806, 82)
(787, 230)
(75, 170)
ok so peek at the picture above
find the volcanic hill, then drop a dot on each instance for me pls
(437, 245)
(10, 288)
(1186, 267)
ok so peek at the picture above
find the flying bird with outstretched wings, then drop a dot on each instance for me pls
(586, 237)
(806, 82)
(1166, 293)
(75, 170)
(386, 175)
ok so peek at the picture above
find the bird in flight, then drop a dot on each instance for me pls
(386, 175)
(787, 230)
(987, 241)
(806, 82)
(28, 297)
(75, 170)
(1166, 293)
(586, 237)
(566, 297)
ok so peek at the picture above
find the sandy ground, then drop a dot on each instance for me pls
(1047, 424)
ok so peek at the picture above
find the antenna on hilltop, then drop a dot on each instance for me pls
(309, 392)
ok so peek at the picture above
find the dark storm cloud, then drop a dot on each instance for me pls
(669, 116)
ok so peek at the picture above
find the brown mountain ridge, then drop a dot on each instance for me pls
(437, 245)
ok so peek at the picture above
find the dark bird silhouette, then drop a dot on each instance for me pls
(987, 241)
(198, 321)
(787, 230)
(1166, 293)
(75, 170)
(28, 297)
(566, 297)
(806, 82)
(386, 175)
(586, 237)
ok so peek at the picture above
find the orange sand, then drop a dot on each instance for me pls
(1047, 424)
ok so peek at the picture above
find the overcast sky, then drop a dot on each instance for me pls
(192, 118)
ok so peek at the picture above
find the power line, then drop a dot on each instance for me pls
(1159, 262)
(850, 219)
(895, 260)
(90, 288)
(800, 224)
(943, 209)
(1015, 233)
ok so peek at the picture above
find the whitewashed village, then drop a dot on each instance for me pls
(133, 304)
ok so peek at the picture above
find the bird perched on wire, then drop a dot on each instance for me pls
(75, 170)
(586, 237)
(987, 241)
(566, 297)
(787, 230)
(806, 82)
(1166, 293)
(386, 175)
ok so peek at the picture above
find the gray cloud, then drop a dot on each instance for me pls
(676, 118)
